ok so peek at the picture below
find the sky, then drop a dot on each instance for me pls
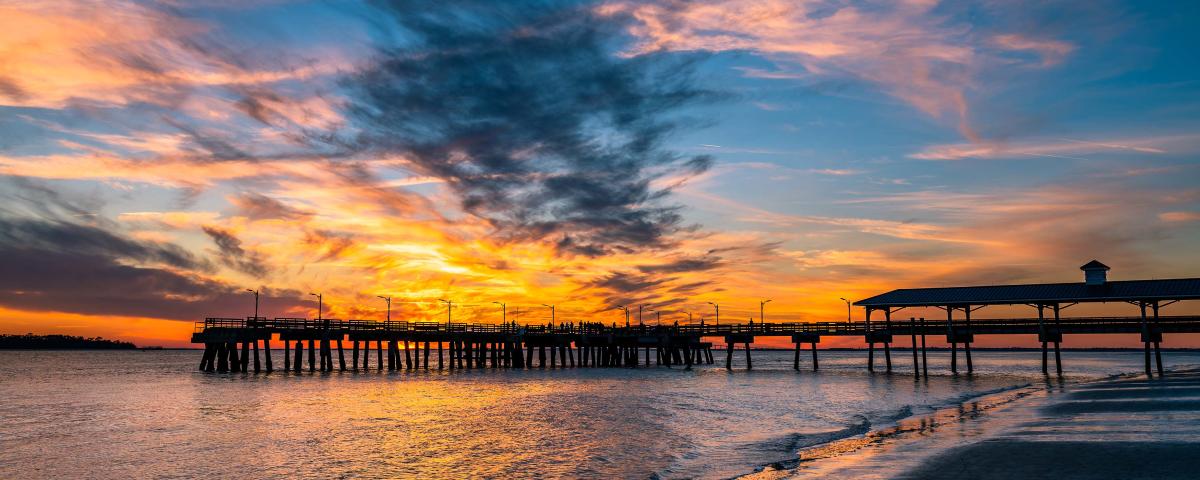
(159, 158)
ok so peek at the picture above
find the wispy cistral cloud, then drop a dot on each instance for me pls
(1066, 148)
(911, 50)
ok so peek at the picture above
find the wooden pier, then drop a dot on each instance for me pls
(244, 345)
(229, 341)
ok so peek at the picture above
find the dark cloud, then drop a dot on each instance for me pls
(55, 265)
(683, 265)
(232, 253)
(42, 280)
(9, 88)
(207, 145)
(328, 244)
(625, 283)
(83, 240)
(529, 114)
(262, 207)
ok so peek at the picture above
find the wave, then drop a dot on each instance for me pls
(866, 429)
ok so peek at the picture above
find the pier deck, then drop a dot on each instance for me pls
(407, 345)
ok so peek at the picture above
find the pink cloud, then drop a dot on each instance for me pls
(1179, 217)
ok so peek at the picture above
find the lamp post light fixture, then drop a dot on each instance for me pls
(761, 317)
(717, 319)
(389, 306)
(449, 306)
(320, 303)
(626, 309)
(847, 309)
(551, 314)
(255, 292)
(503, 312)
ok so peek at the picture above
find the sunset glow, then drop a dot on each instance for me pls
(157, 159)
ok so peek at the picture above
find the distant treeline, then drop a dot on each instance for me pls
(31, 341)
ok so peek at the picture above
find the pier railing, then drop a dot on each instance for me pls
(1187, 323)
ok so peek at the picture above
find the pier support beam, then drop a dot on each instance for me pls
(206, 359)
(924, 357)
(814, 352)
(267, 351)
(796, 359)
(298, 365)
(749, 364)
(245, 356)
(287, 355)
(391, 355)
(870, 343)
(1058, 338)
(1157, 339)
(800, 339)
(366, 356)
(257, 366)
(912, 330)
(728, 354)
(950, 337)
(341, 354)
(887, 345)
(312, 356)
(1042, 337)
(222, 357)
(967, 344)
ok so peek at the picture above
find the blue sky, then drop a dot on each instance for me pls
(597, 152)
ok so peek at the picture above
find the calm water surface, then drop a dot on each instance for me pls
(150, 414)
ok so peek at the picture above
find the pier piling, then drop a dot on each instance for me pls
(298, 365)
(267, 351)
(257, 366)
(912, 329)
(341, 355)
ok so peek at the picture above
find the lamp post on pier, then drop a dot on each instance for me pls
(389, 306)
(626, 309)
(503, 313)
(320, 303)
(255, 292)
(551, 314)
(762, 319)
(449, 305)
(717, 319)
(847, 309)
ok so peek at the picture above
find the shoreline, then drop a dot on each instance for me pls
(1042, 423)
(1130, 427)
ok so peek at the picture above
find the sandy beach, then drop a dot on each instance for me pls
(1128, 428)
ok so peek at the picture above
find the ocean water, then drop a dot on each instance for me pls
(139, 414)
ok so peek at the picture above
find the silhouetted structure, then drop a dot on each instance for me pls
(597, 345)
(1045, 297)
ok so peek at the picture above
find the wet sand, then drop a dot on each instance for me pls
(1126, 429)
